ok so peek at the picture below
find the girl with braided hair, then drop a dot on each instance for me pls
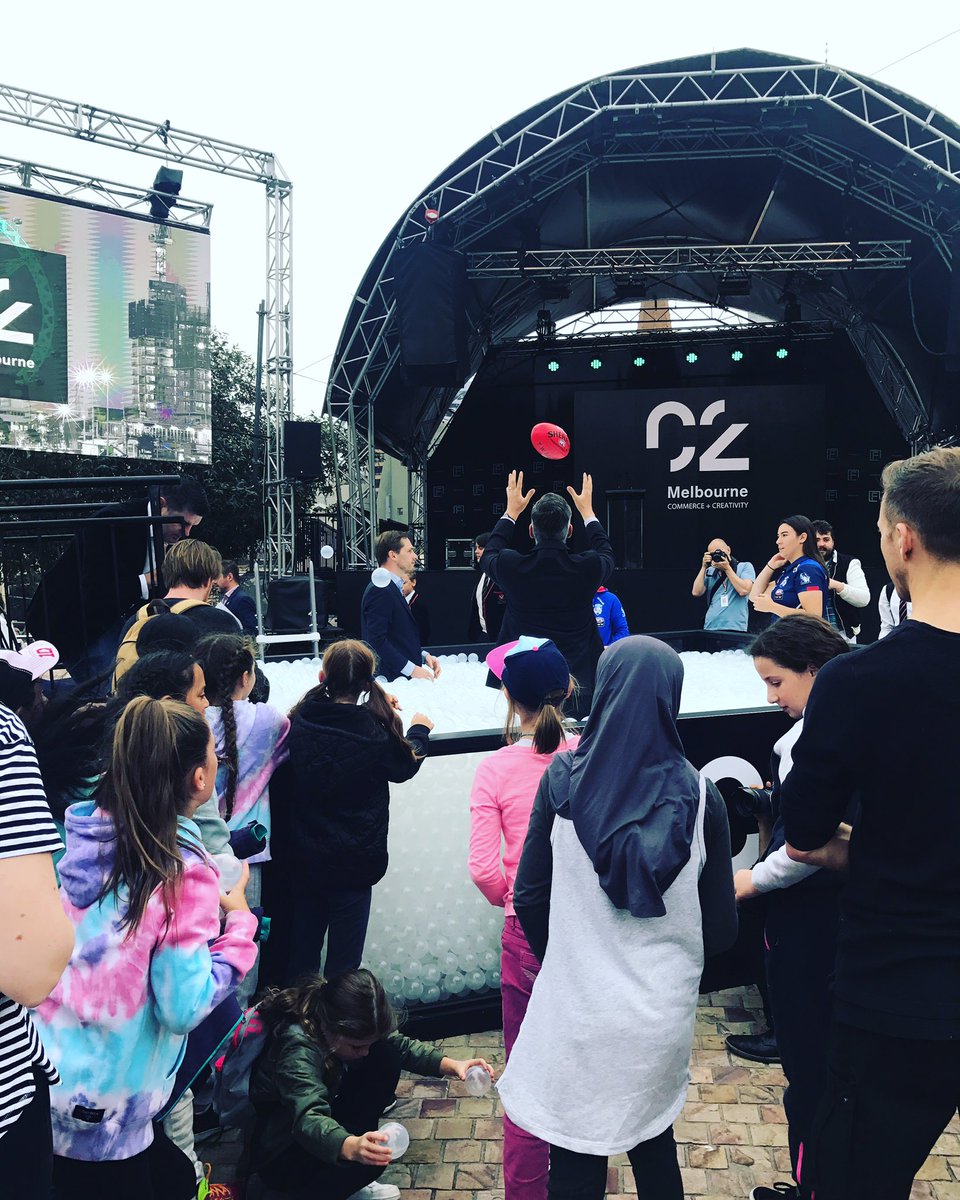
(251, 744)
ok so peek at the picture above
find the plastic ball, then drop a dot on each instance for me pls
(380, 577)
(412, 989)
(412, 970)
(455, 983)
(478, 1081)
(468, 960)
(397, 1138)
(489, 960)
(431, 993)
(431, 973)
(476, 979)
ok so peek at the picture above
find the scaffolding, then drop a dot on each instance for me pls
(160, 140)
(650, 115)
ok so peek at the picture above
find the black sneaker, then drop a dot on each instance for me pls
(779, 1191)
(757, 1047)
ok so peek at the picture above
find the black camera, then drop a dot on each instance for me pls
(718, 556)
(752, 802)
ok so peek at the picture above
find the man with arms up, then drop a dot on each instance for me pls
(727, 585)
(881, 724)
(550, 592)
(387, 625)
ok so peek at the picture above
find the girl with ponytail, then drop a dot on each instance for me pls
(536, 682)
(149, 963)
(316, 1131)
(347, 746)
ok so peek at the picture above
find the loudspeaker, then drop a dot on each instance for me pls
(302, 442)
(431, 290)
(288, 604)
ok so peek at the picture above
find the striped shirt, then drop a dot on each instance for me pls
(26, 827)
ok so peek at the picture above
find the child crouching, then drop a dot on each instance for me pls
(329, 1070)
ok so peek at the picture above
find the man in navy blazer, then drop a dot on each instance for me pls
(236, 600)
(550, 592)
(386, 623)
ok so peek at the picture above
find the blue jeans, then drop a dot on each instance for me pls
(342, 914)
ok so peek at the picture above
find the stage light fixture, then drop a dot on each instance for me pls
(166, 188)
(782, 352)
(692, 357)
(737, 356)
(596, 363)
(639, 361)
(553, 365)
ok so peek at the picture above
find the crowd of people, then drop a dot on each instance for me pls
(172, 848)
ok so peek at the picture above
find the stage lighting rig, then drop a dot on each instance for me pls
(166, 188)
(732, 285)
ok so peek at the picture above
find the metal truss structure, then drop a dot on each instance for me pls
(648, 116)
(154, 139)
(679, 260)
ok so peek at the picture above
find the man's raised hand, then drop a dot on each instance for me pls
(516, 500)
(584, 499)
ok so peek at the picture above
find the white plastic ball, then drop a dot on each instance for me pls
(431, 993)
(412, 989)
(455, 983)
(397, 1138)
(380, 577)
(468, 960)
(476, 979)
(478, 1081)
(431, 973)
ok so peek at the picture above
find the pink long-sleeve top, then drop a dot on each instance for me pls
(500, 802)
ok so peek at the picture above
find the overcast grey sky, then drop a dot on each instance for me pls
(365, 103)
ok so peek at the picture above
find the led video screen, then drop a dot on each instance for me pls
(104, 332)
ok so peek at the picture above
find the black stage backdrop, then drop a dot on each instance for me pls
(817, 436)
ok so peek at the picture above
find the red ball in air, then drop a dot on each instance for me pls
(549, 440)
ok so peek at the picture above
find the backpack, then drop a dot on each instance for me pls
(233, 1071)
(127, 652)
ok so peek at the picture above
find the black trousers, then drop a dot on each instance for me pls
(161, 1172)
(584, 1176)
(888, 1099)
(26, 1149)
(368, 1087)
(743, 963)
(801, 936)
(341, 914)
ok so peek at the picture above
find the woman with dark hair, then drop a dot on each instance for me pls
(149, 963)
(795, 577)
(347, 746)
(624, 883)
(329, 1069)
(801, 914)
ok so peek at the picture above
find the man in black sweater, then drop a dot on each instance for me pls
(881, 724)
(550, 592)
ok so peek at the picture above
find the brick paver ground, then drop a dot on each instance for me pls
(732, 1134)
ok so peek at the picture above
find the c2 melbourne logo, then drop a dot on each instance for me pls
(713, 458)
(710, 459)
(33, 325)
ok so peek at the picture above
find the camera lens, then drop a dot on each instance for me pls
(718, 556)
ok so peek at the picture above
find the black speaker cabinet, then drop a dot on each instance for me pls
(302, 442)
(288, 604)
(431, 288)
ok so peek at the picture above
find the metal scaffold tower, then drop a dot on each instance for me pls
(154, 139)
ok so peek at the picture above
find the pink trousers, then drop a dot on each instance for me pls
(526, 1159)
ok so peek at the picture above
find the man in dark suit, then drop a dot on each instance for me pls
(487, 602)
(550, 592)
(386, 622)
(235, 600)
(110, 567)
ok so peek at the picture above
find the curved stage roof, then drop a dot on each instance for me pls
(711, 151)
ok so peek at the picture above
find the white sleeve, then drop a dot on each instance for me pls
(779, 871)
(855, 591)
(886, 617)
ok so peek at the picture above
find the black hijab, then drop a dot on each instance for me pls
(633, 795)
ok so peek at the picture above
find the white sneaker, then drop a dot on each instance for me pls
(377, 1191)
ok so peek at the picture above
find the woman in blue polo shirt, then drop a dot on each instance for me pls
(794, 578)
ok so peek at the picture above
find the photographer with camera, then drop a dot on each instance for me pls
(727, 585)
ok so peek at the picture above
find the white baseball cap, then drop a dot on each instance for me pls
(37, 658)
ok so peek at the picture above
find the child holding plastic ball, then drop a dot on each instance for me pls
(536, 681)
(330, 1067)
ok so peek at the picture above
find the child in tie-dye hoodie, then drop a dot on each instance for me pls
(149, 962)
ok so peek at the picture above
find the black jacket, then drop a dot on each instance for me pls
(494, 606)
(390, 629)
(96, 582)
(244, 608)
(341, 763)
(550, 594)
